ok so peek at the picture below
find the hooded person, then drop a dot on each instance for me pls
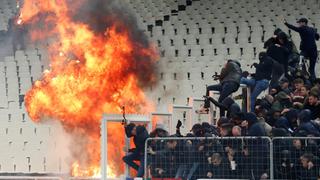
(282, 101)
(255, 128)
(229, 77)
(260, 80)
(272, 40)
(140, 135)
(305, 123)
(284, 124)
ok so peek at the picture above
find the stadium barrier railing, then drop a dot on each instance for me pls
(296, 157)
(209, 158)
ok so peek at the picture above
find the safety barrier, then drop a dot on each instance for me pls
(232, 158)
(209, 158)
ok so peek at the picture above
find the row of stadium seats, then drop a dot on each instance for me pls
(25, 147)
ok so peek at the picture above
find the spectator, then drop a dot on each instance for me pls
(308, 44)
(140, 135)
(308, 169)
(284, 86)
(217, 168)
(273, 40)
(313, 105)
(229, 82)
(280, 53)
(305, 124)
(260, 80)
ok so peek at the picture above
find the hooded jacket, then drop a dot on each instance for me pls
(255, 128)
(231, 72)
(306, 124)
(264, 68)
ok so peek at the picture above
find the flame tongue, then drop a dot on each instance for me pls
(91, 73)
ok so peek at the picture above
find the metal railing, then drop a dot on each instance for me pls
(233, 158)
(209, 158)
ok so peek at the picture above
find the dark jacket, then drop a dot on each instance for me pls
(279, 54)
(139, 140)
(264, 68)
(308, 37)
(315, 110)
(231, 72)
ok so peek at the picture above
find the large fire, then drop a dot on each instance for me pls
(91, 72)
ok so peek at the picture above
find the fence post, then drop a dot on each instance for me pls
(146, 159)
(271, 159)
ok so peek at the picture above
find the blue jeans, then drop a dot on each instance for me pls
(256, 88)
(130, 158)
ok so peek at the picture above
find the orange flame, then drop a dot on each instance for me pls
(90, 74)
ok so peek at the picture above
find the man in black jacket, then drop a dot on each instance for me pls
(140, 135)
(260, 81)
(229, 77)
(308, 44)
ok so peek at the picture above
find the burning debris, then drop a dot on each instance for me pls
(99, 61)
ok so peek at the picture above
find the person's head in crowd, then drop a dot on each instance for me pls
(313, 100)
(302, 22)
(316, 82)
(236, 119)
(262, 56)
(130, 130)
(216, 159)
(226, 130)
(260, 111)
(285, 156)
(307, 161)
(236, 131)
(276, 32)
(251, 118)
(209, 130)
(197, 130)
(282, 38)
(298, 83)
(284, 84)
(315, 91)
(283, 97)
(292, 117)
(172, 143)
(297, 144)
(304, 116)
(159, 131)
(304, 90)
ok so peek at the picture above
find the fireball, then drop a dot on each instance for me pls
(99, 62)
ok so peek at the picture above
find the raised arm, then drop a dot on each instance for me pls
(290, 26)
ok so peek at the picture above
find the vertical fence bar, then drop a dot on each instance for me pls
(146, 173)
(103, 160)
(271, 160)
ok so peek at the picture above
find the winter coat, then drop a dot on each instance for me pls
(231, 72)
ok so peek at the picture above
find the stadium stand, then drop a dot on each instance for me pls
(194, 39)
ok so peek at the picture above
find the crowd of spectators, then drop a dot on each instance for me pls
(291, 108)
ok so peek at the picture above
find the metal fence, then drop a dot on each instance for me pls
(213, 158)
(296, 157)
(233, 158)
